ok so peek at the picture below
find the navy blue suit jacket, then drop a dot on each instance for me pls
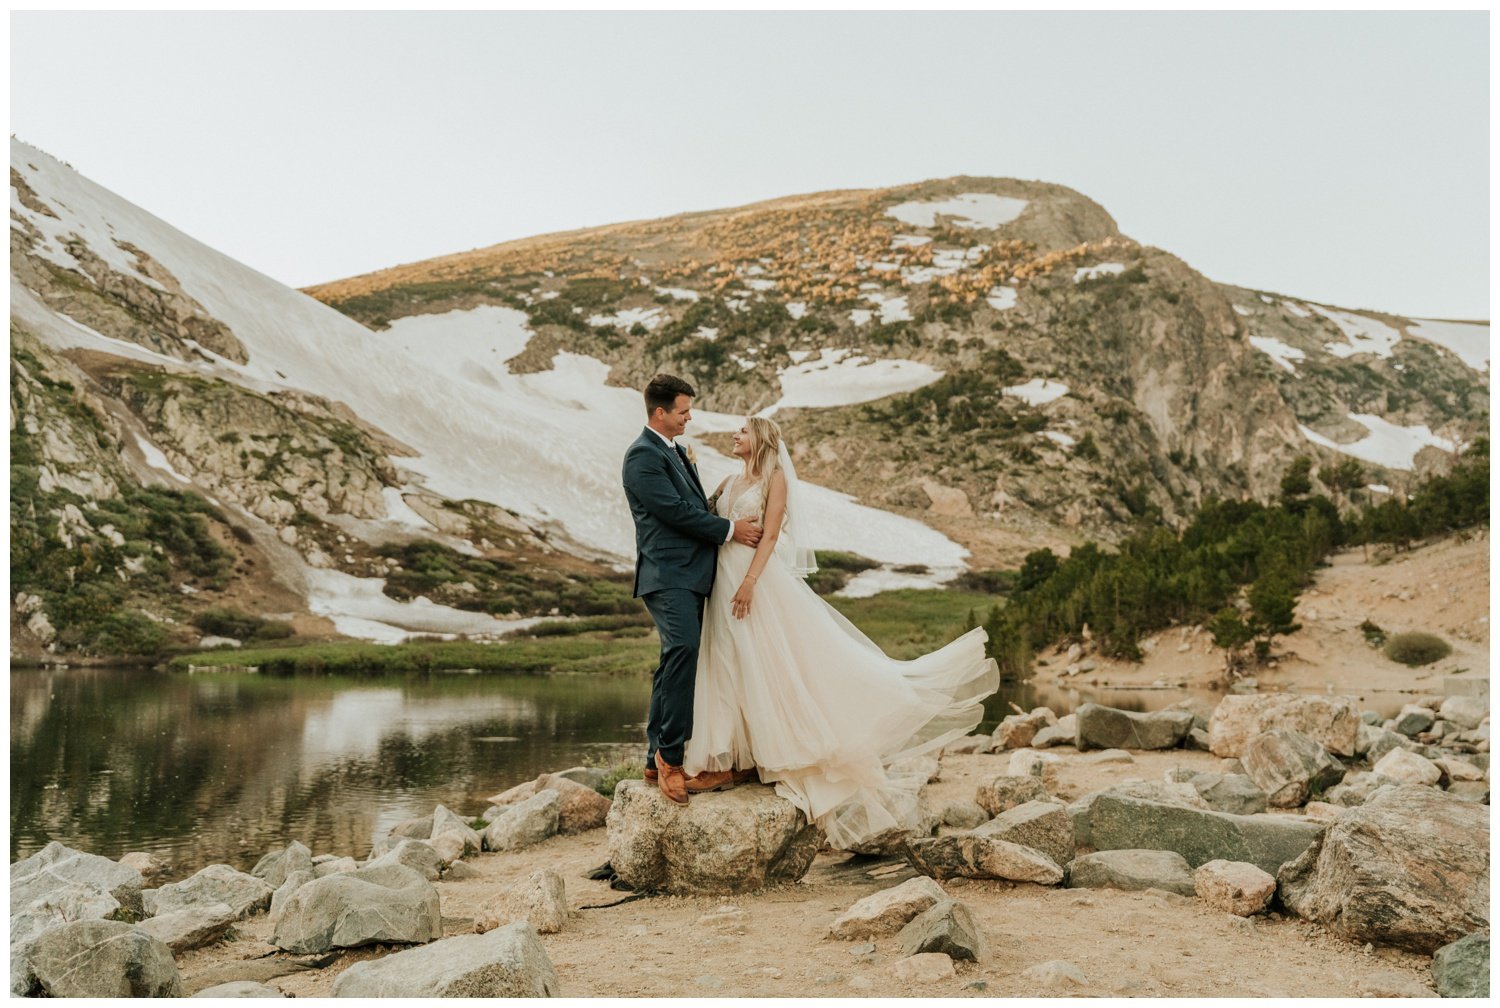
(675, 534)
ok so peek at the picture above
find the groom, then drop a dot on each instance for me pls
(676, 536)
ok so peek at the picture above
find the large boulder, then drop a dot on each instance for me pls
(527, 822)
(580, 807)
(56, 866)
(1462, 968)
(1045, 826)
(1101, 727)
(1408, 868)
(184, 930)
(61, 904)
(296, 880)
(1168, 792)
(947, 927)
(722, 842)
(1015, 732)
(539, 899)
(1132, 870)
(889, 910)
(385, 904)
(505, 962)
(277, 865)
(218, 883)
(1413, 719)
(1120, 822)
(1006, 792)
(100, 959)
(1332, 722)
(975, 855)
(1289, 767)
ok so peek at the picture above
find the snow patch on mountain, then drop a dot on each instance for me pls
(1283, 354)
(842, 378)
(1038, 391)
(1097, 271)
(1387, 444)
(1001, 298)
(1363, 334)
(1468, 341)
(967, 210)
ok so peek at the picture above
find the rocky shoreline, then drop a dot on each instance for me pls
(1270, 828)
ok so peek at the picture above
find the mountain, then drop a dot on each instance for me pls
(967, 369)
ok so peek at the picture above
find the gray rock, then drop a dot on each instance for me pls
(1375, 742)
(1101, 727)
(419, 828)
(974, 855)
(947, 927)
(1056, 735)
(1044, 826)
(969, 744)
(539, 899)
(218, 883)
(459, 871)
(1014, 732)
(391, 903)
(56, 866)
(1184, 794)
(589, 776)
(1289, 767)
(524, 823)
(61, 904)
(722, 842)
(1413, 720)
(183, 930)
(505, 962)
(99, 959)
(1232, 793)
(1198, 740)
(1055, 975)
(418, 855)
(1332, 722)
(295, 881)
(445, 821)
(1408, 868)
(1462, 968)
(335, 866)
(1466, 712)
(1201, 709)
(1109, 756)
(579, 808)
(239, 989)
(277, 865)
(449, 847)
(963, 814)
(1007, 792)
(1356, 788)
(1369, 717)
(1120, 822)
(1132, 869)
(888, 911)
(1035, 763)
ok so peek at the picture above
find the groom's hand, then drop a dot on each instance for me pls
(746, 532)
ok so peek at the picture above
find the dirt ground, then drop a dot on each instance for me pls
(1126, 943)
(1442, 588)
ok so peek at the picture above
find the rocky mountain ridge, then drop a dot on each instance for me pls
(988, 363)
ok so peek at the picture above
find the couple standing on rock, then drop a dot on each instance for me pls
(759, 677)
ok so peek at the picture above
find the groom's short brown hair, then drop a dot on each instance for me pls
(663, 391)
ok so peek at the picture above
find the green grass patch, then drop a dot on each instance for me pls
(1416, 648)
(914, 621)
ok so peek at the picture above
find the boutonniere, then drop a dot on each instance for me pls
(692, 455)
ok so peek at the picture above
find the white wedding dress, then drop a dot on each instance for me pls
(797, 691)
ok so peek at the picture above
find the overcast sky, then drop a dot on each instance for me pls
(1341, 157)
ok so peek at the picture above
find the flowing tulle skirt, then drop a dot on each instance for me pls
(797, 691)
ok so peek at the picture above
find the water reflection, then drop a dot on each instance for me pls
(221, 768)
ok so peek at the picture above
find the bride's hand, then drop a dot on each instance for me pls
(739, 606)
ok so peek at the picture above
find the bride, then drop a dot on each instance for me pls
(788, 687)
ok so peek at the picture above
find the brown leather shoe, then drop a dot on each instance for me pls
(710, 780)
(672, 781)
(649, 775)
(750, 776)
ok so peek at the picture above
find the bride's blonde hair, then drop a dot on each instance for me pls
(764, 448)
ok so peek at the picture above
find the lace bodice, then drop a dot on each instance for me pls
(735, 502)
